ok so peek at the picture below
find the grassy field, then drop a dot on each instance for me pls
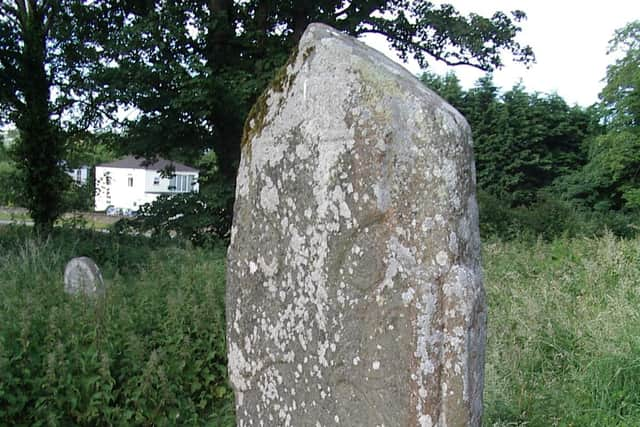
(563, 345)
(564, 333)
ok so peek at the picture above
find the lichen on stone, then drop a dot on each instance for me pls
(282, 80)
(354, 288)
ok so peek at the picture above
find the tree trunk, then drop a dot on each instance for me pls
(300, 19)
(40, 147)
(219, 56)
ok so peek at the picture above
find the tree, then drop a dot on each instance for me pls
(194, 68)
(621, 95)
(447, 86)
(611, 178)
(190, 69)
(539, 138)
(523, 142)
(25, 90)
(45, 52)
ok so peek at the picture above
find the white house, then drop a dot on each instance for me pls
(128, 183)
(79, 175)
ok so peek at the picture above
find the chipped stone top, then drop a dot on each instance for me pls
(330, 37)
(322, 41)
(354, 286)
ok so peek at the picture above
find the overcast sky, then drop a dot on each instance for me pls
(568, 37)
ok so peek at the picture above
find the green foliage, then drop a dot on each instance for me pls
(47, 48)
(193, 69)
(536, 155)
(548, 218)
(621, 94)
(11, 184)
(523, 142)
(79, 197)
(8, 137)
(193, 216)
(562, 344)
(152, 352)
(85, 150)
(4, 156)
(448, 87)
(11, 178)
(610, 180)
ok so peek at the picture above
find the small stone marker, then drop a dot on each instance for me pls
(82, 276)
(354, 286)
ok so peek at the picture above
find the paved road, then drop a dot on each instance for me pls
(15, 221)
(30, 224)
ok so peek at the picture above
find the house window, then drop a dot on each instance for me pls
(78, 176)
(130, 181)
(156, 180)
(181, 183)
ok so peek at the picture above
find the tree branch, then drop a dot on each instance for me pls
(343, 11)
(47, 15)
(11, 98)
(417, 47)
(22, 14)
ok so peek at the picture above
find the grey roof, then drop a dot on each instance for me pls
(132, 162)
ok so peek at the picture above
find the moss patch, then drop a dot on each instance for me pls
(281, 82)
(307, 53)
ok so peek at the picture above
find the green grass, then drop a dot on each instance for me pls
(564, 333)
(563, 340)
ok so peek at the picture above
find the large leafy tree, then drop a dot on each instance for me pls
(621, 95)
(45, 53)
(192, 69)
(611, 178)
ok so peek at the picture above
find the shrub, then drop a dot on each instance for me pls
(196, 217)
(79, 197)
(11, 185)
(550, 217)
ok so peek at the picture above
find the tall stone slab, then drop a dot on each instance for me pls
(354, 292)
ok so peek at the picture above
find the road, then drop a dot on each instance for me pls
(15, 221)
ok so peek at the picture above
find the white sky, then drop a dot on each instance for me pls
(568, 37)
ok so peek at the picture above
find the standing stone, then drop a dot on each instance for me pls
(82, 276)
(354, 283)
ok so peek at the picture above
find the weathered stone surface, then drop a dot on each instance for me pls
(82, 276)
(354, 284)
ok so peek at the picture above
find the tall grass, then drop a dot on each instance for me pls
(564, 333)
(563, 338)
(152, 352)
